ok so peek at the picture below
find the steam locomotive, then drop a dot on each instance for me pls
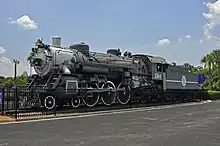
(74, 75)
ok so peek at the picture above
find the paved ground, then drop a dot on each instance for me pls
(180, 126)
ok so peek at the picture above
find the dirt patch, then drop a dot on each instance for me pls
(6, 119)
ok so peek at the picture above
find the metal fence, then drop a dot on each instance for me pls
(19, 104)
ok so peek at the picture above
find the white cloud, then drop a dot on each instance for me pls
(24, 21)
(201, 41)
(163, 42)
(213, 20)
(7, 67)
(2, 50)
(179, 40)
(187, 36)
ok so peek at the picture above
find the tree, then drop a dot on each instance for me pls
(212, 69)
(8, 81)
(1, 79)
(215, 71)
(24, 74)
(20, 80)
(192, 68)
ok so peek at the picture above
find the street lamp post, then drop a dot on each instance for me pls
(15, 71)
(15, 84)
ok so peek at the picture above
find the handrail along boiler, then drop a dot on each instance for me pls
(75, 75)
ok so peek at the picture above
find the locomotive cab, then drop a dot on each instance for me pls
(158, 67)
(158, 70)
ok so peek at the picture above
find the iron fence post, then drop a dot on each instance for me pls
(15, 84)
(16, 103)
(7, 95)
(55, 109)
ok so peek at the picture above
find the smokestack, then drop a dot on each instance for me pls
(56, 41)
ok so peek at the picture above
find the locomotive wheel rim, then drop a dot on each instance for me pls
(75, 102)
(112, 98)
(127, 92)
(96, 98)
(49, 102)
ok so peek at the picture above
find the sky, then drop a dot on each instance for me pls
(179, 31)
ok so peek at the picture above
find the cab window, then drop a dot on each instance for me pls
(165, 66)
(159, 67)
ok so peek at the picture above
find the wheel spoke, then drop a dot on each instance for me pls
(124, 96)
(49, 102)
(108, 97)
(91, 99)
(75, 102)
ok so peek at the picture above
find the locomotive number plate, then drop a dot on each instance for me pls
(158, 76)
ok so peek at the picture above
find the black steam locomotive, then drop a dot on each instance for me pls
(75, 76)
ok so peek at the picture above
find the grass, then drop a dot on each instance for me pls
(214, 95)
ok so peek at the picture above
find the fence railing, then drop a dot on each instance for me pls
(21, 103)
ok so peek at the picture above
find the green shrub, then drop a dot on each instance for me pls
(214, 95)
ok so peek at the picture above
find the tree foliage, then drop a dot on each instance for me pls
(20, 80)
(211, 69)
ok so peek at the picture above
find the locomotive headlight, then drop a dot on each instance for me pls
(37, 62)
(42, 61)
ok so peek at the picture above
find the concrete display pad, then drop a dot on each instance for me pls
(175, 126)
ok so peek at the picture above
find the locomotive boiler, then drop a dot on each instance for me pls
(74, 74)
